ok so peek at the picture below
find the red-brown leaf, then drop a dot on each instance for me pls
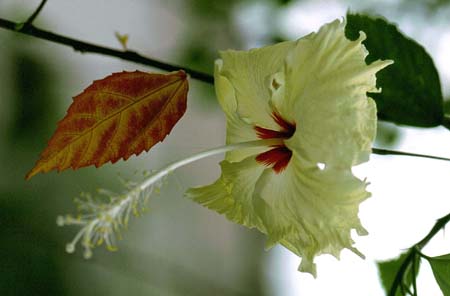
(116, 117)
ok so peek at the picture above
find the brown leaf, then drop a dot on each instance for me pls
(116, 117)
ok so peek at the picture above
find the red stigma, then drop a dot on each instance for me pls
(278, 157)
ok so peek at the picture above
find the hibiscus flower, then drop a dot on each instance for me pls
(310, 97)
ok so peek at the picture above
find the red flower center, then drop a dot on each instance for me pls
(278, 157)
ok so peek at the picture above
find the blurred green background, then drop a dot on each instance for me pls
(178, 248)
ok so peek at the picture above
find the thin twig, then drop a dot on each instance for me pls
(84, 47)
(132, 56)
(31, 19)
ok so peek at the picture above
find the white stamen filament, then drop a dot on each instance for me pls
(177, 164)
(100, 221)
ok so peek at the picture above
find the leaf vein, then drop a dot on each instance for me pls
(81, 135)
(162, 110)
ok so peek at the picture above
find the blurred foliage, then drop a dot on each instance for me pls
(283, 2)
(29, 265)
(431, 5)
(214, 10)
(211, 29)
(388, 134)
(35, 107)
(447, 106)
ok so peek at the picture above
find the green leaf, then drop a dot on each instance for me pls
(411, 88)
(441, 270)
(447, 106)
(388, 271)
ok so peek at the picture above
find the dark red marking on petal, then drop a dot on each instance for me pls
(283, 161)
(278, 158)
(286, 126)
(286, 131)
(264, 133)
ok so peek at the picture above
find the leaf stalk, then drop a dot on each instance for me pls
(35, 14)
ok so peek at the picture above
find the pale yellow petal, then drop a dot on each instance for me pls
(238, 130)
(232, 193)
(250, 74)
(323, 90)
(310, 210)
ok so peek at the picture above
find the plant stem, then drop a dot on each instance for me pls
(83, 47)
(414, 251)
